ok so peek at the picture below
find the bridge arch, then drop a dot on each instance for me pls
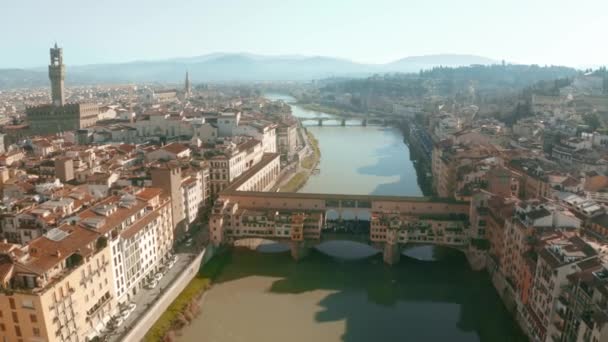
(262, 245)
(428, 251)
(347, 213)
(346, 249)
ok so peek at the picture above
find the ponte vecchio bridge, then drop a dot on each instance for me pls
(299, 219)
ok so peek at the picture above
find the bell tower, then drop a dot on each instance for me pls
(57, 76)
(187, 86)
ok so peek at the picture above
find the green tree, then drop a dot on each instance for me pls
(592, 120)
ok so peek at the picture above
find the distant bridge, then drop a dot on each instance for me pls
(347, 121)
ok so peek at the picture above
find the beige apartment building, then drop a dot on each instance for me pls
(447, 158)
(58, 288)
(66, 284)
(139, 231)
(235, 161)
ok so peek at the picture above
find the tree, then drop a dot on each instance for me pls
(101, 243)
(592, 120)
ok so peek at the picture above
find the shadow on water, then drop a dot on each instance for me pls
(346, 250)
(388, 165)
(411, 301)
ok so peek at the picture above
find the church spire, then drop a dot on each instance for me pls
(187, 85)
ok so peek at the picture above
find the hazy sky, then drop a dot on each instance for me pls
(96, 31)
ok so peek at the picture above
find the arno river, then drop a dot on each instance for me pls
(268, 297)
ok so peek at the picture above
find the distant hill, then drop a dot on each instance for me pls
(19, 78)
(230, 67)
(416, 63)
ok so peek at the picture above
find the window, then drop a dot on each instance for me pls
(27, 303)
(15, 317)
(12, 303)
(36, 332)
(17, 331)
(33, 318)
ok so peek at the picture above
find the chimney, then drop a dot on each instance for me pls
(58, 253)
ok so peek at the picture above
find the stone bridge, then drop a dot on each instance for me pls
(341, 121)
(300, 220)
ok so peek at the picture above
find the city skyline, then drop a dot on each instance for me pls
(540, 33)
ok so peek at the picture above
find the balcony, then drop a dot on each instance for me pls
(99, 305)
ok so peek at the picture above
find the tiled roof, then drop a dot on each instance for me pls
(175, 148)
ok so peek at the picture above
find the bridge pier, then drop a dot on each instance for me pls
(320, 122)
(299, 250)
(364, 122)
(391, 253)
(343, 122)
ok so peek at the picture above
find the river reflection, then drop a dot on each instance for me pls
(358, 160)
(268, 297)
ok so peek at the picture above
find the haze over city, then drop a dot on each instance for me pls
(540, 32)
(335, 171)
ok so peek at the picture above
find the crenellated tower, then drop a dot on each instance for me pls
(57, 76)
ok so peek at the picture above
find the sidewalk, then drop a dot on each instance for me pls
(145, 297)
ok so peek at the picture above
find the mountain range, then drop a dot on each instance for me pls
(222, 67)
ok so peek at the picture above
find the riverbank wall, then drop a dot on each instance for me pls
(420, 145)
(508, 295)
(307, 162)
(145, 322)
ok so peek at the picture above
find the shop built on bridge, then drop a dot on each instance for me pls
(303, 220)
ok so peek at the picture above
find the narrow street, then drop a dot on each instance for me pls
(145, 297)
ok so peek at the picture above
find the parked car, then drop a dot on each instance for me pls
(120, 321)
(128, 310)
(116, 322)
(189, 242)
(172, 262)
(158, 277)
(152, 284)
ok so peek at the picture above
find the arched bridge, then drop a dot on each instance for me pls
(300, 220)
(338, 121)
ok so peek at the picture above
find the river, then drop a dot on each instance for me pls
(269, 297)
(356, 159)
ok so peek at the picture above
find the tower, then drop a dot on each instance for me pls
(187, 86)
(169, 178)
(57, 76)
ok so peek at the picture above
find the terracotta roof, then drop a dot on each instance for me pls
(549, 258)
(248, 144)
(6, 269)
(570, 182)
(6, 248)
(126, 148)
(115, 218)
(46, 253)
(188, 181)
(149, 193)
(175, 148)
